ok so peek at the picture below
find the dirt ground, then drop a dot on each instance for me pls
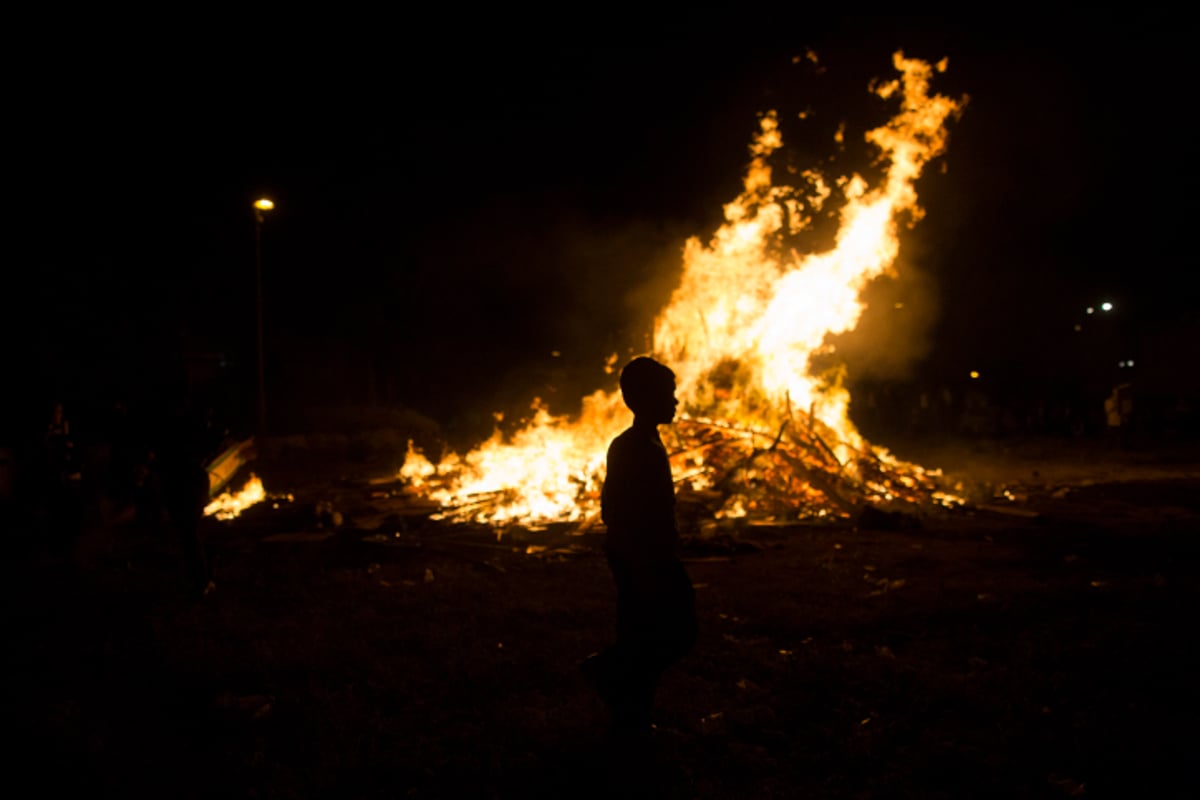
(1037, 644)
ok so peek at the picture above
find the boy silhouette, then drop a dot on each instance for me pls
(656, 623)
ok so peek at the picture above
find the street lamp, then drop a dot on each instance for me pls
(261, 205)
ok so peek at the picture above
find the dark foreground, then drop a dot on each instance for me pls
(1045, 651)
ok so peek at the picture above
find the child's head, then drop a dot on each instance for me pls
(648, 388)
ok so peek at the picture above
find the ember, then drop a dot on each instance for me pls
(762, 432)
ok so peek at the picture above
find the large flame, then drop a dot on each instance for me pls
(741, 329)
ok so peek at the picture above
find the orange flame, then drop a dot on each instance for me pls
(740, 330)
(227, 506)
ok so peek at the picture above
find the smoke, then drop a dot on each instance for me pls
(526, 297)
(895, 333)
(616, 276)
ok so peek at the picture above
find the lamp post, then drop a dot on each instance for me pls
(261, 205)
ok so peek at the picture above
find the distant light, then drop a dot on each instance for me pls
(555, 354)
(974, 374)
(1091, 310)
(263, 204)
(899, 305)
(1106, 306)
(1078, 328)
(1130, 362)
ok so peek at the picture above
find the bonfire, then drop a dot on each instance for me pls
(763, 431)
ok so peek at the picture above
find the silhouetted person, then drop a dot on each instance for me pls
(62, 478)
(123, 462)
(1118, 413)
(656, 623)
(182, 464)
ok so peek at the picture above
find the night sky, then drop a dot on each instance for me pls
(471, 211)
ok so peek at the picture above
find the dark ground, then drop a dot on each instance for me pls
(1040, 649)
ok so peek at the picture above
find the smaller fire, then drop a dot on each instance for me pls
(227, 506)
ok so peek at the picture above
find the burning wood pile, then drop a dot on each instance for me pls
(726, 472)
(743, 332)
(796, 474)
